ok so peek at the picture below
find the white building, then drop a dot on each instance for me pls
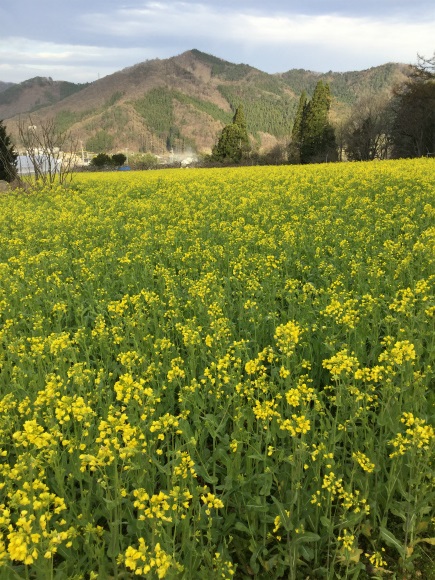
(44, 164)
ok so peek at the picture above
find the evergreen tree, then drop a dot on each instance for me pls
(318, 138)
(294, 150)
(118, 159)
(101, 160)
(239, 120)
(8, 157)
(228, 147)
(233, 143)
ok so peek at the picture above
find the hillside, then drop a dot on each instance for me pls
(4, 86)
(33, 94)
(184, 101)
(348, 87)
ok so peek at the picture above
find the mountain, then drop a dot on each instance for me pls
(184, 101)
(33, 94)
(348, 87)
(4, 86)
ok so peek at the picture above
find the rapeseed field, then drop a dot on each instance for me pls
(216, 374)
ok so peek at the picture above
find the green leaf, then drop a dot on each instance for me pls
(228, 483)
(267, 484)
(306, 553)
(242, 528)
(269, 565)
(113, 547)
(257, 456)
(325, 522)
(255, 506)
(391, 540)
(253, 561)
(307, 538)
(357, 570)
(213, 480)
(399, 513)
(366, 529)
(112, 503)
(285, 520)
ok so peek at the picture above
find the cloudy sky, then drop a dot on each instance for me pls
(82, 40)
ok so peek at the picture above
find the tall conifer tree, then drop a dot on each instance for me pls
(240, 122)
(313, 137)
(318, 140)
(8, 157)
(294, 150)
(233, 142)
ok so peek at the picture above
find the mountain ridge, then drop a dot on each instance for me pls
(184, 101)
(5, 85)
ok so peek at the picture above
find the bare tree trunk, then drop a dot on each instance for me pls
(53, 153)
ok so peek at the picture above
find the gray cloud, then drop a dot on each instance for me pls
(82, 39)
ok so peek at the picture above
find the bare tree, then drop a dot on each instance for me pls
(425, 67)
(366, 133)
(52, 153)
(413, 107)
